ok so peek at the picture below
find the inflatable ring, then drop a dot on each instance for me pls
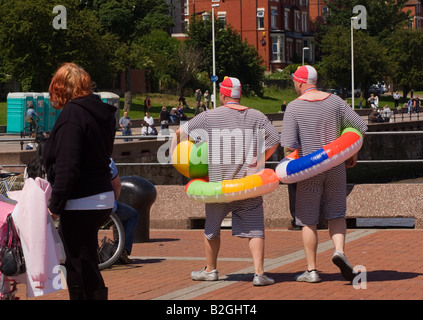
(250, 186)
(292, 169)
(187, 160)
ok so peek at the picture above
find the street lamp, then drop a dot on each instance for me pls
(305, 48)
(352, 61)
(214, 57)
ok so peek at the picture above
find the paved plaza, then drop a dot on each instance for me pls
(390, 262)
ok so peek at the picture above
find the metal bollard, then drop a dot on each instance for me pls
(140, 194)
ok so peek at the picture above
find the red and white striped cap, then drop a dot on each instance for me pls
(230, 87)
(305, 74)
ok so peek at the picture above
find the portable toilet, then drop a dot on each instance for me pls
(51, 114)
(114, 100)
(17, 104)
(39, 107)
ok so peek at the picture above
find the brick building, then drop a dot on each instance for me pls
(278, 29)
(415, 7)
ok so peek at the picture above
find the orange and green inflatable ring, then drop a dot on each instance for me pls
(191, 161)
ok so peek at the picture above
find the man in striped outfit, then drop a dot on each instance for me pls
(239, 140)
(311, 121)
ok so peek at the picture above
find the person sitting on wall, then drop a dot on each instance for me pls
(375, 116)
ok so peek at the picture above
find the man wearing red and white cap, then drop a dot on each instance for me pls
(223, 128)
(305, 74)
(311, 121)
(231, 87)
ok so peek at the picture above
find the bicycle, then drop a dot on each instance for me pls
(28, 131)
(7, 179)
(111, 240)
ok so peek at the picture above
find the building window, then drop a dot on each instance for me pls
(298, 48)
(304, 21)
(297, 20)
(278, 54)
(286, 19)
(289, 53)
(260, 18)
(206, 16)
(221, 16)
(325, 13)
(186, 7)
(274, 18)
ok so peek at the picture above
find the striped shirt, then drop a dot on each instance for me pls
(309, 125)
(237, 140)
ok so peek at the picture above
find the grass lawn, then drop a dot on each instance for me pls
(270, 103)
(3, 113)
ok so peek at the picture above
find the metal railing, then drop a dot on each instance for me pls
(165, 137)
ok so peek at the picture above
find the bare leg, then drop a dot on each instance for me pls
(337, 230)
(257, 251)
(309, 234)
(212, 248)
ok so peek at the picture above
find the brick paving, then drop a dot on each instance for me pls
(391, 258)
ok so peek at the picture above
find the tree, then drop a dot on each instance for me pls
(31, 49)
(234, 57)
(335, 66)
(189, 60)
(158, 51)
(405, 59)
(370, 46)
(130, 20)
(383, 17)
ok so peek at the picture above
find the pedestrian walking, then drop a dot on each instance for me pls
(213, 126)
(313, 120)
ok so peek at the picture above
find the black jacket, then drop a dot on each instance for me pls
(78, 150)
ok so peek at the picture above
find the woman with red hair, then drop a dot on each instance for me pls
(76, 158)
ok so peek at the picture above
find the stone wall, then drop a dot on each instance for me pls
(375, 147)
(174, 210)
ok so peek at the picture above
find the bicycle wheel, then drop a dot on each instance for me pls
(111, 239)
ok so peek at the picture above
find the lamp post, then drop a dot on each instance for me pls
(305, 48)
(352, 61)
(214, 56)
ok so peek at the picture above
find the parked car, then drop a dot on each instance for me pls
(375, 90)
(357, 93)
(333, 91)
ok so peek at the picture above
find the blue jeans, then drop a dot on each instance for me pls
(129, 218)
(127, 132)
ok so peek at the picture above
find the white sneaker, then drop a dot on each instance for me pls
(308, 276)
(342, 263)
(203, 275)
(262, 280)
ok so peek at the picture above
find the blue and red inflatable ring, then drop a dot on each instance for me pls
(292, 169)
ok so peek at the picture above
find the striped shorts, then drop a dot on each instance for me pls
(247, 218)
(324, 194)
